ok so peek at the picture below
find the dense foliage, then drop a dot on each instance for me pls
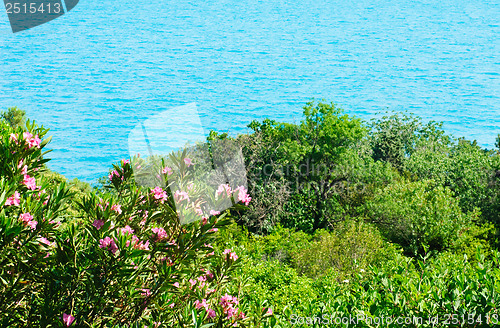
(348, 223)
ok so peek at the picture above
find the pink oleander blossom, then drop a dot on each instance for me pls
(47, 242)
(160, 233)
(117, 208)
(181, 195)
(127, 230)
(34, 142)
(29, 182)
(137, 244)
(212, 212)
(232, 255)
(223, 189)
(13, 137)
(109, 244)
(211, 313)
(112, 174)
(26, 217)
(13, 200)
(203, 304)
(167, 170)
(243, 196)
(159, 194)
(98, 224)
(188, 161)
(68, 319)
(32, 224)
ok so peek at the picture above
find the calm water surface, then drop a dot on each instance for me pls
(99, 70)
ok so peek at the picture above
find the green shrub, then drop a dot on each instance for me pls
(419, 215)
(350, 247)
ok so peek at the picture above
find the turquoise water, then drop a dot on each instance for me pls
(96, 72)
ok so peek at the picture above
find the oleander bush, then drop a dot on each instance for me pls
(126, 261)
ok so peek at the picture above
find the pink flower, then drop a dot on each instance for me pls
(160, 194)
(211, 313)
(209, 274)
(109, 244)
(13, 200)
(146, 292)
(139, 244)
(171, 305)
(198, 211)
(29, 182)
(232, 255)
(243, 196)
(269, 311)
(13, 137)
(27, 135)
(212, 212)
(45, 241)
(224, 188)
(117, 208)
(34, 142)
(112, 174)
(68, 319)
(192, 282)
(167, 170)
(98, 224)
(203, 304)
(213, 230)
(127, 230)
(160, 233)
(204, 220)
(176, 284)
(26, 217)
(32, 224)
(181, 195)
(125, 161)
(24, 170)
(188, 161)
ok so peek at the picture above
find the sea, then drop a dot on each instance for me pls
(95, 74)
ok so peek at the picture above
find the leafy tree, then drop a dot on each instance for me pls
(15, 117)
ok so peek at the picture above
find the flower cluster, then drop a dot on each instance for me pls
(181, 195)
(228, 304)
(29, 182)
(167, 170)
(243, 196)
(232, 255)
(28, 221)
(109, 244)
(32, 141)
(13, 200)
(160, 234)
(113, 174)
(159, 194)
(203, 304)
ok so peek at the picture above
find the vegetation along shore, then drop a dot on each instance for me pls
(341, 222)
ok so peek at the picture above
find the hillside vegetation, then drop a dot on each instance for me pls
(342, 223)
